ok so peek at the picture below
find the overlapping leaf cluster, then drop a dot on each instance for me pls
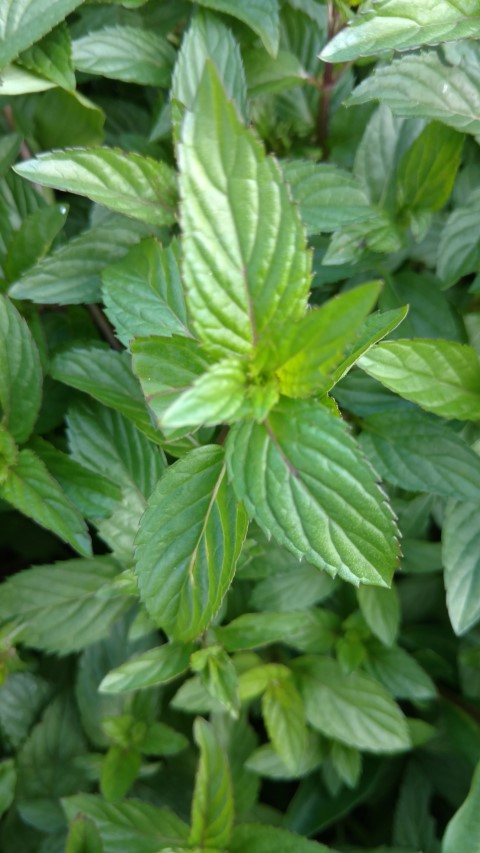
(239, 441)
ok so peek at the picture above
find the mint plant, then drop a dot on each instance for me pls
(239, 442)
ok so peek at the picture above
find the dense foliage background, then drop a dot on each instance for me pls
(239, 288)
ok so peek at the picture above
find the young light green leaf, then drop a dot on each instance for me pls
(426, 173)
(284, 718)
(33, 239)
(312, 348)
(126, 53)
(267, 75)
(128, 183)
(262, 18)
(218, 676)
(217, 396)
(463, 830)
(59, 605)
(376, 327)
(30, 488)
(118, 772)
(161, 739)
(136, 826)
(107, 376)
(21, 26)
(143, 292)
(166, 368)
(329, 198)
(352, 709)
(72, 273)
(209, 39)
(401, 25)
(421, 454)
(422, 84)
(52, 58)
(460, 554)
(16, 80)
(212, 806)
(248, 281)
(188, 543)
(83, 837)
(20, 373)
(381, 610)
(156, 666)
(302, 477)
(440, 376)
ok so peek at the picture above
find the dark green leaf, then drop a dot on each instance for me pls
(8, 779)
(33, 239)
(30, 488)
(21, 27)
(460, 554)
(315, 493)
(426, 173)
(255, 838)
(60, 607)
(125, 53)
(136, 186)
(188, 544)
(20, 373)
(305, 630)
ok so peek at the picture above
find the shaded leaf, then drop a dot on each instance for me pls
(126, 53)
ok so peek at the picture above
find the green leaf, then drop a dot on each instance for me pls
(72, 273)
(302, 477)
(352, 709)
(93, 494)
(318, 343)
(68, 118)
(107, 376)
(161, 739)
(305, 630)
(377, 326)
(83, 837)
(166, 368)
(440, 376)
(249, 281)
(30, 488)
(33, 239)
(136, 186)
(347, 762)
(60, 606)
(262, 17)
(460, 555)
(119, 770)
(19, 81)
(463, 830)
(156, 666)
(20, 373)
(264, 761)
(46, 765)
(212, 807)
(284, 718)
(297, 589)
(266, 75)
(188, 544)
(421, 454)
(105, 442)
(22, 697)
(257, 838)
(132, 826)
(401, 25)
(52, 58)
(8, 779)
(208, 39)
(21, 27)
(143, 292)
(381, 610)
(399, 673)
(426, 173)
(126, 53)
(217, 396)
(329, 198)
(422, 84)
(459, 244)
(10, 145)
